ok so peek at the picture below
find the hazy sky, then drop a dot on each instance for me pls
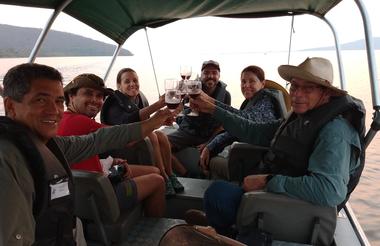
(247, 35)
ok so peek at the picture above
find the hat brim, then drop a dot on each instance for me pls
(105, 90)
(288, 72)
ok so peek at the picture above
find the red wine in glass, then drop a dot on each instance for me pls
(172, 105)
(185, 77)
(172, 99)
(194, 89)
(185, 71)
(194, 94)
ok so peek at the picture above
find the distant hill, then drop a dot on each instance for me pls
(355, 45)
(19, 41)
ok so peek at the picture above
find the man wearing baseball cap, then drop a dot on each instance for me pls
(314, 153)
(197, 130)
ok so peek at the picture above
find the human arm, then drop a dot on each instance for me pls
(219, 142)
(77, 148)
(329, 167)
(147, 111)
(17, 225)
(245, 129)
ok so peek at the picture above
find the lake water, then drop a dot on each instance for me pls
(366, 198)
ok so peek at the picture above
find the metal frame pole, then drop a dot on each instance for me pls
(41, 38)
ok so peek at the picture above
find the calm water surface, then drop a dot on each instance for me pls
(365, 200)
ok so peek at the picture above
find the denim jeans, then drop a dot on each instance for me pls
(221, 203)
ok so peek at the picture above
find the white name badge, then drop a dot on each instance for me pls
(59, 190)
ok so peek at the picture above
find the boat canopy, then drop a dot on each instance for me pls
(119, 19)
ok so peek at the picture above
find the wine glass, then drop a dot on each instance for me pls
(172, 94)
(194, 89)
(185, 71)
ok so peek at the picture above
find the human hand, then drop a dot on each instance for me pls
(119, 161)
(205, 158)
(255, 182)
(203, 103)
(122, 162)
(201, 147)
(163, 117)
(161, 101)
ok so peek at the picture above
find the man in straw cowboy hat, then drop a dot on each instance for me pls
(313, 152)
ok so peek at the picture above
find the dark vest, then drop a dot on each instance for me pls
(118, 98)
(203, 125)
(294, 140)
(54, 217)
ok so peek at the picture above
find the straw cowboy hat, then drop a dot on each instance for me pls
(316, 70)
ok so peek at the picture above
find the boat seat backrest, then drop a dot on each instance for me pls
(97, 205)
(279, 103)
(243, 160)
(98, 186)
(270, 84)
(287, 219)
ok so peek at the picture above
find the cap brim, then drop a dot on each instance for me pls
(105, 90)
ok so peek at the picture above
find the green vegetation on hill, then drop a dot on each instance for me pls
(19, 41)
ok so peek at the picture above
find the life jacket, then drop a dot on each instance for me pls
(53, 212)
(294, 140)
(203, 125)
(259, 96)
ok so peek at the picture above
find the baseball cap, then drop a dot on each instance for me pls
(210, 63)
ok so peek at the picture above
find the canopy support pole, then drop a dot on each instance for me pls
(151, 59)
(375, 125)
(290, 38)
(41, 38)
(343, 84)
(115, 54)
(370, 55)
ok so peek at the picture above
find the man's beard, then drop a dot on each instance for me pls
(211, 82)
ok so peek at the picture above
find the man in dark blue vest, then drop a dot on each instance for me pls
(314, 153)
(196, 131)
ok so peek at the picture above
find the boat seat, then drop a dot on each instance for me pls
(104, 224)
(96, 204)
(235, 165)
(190, 198)
(287, 219)
(189, 157)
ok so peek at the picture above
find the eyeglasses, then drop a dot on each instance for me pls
(305, 89)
